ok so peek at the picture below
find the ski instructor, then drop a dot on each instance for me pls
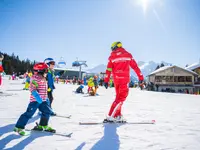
(119, 64)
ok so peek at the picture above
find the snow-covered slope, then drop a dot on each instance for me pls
(97, 69)
(177, 121)
(146, 68)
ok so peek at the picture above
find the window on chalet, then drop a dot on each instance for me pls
(158, 78)
(164, 78)
(176, 79)
(181, 79)
(169, 79)
(188, 78)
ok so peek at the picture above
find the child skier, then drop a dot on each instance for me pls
(1, 70)
(38, 100)
(80, 89)
(119, 64)
(90, 84)
(27, 83)
(91, 87)
(50, 79)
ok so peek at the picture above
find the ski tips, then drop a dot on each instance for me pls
(70, 135)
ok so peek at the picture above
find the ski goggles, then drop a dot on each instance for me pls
(52, 63)
(41, 71)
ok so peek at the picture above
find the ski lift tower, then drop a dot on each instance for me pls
(79, 63)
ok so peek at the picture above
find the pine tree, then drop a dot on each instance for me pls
(157, 67)
(162, 65)
(14, 64)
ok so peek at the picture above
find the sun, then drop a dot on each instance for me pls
(144, 4)
(141, 3)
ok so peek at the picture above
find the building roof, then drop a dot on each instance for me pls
(167, 67)
(160, 69)
(193, 66)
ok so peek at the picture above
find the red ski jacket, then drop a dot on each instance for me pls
(119, 64)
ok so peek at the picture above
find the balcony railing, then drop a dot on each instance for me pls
(197, 82)
(174, 83)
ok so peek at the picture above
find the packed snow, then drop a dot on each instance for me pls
(177, 120)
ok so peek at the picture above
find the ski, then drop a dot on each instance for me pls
(30, 131)
(58, 115)
(62, 116)
(99, 123)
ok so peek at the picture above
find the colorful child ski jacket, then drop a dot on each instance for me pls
(39, 84)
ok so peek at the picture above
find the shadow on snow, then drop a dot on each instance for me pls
(21, 145)
(110, 140)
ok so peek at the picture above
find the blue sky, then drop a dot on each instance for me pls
(157, 30)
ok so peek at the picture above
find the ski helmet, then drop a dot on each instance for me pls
(1, 69)
(116, 45)
(40, 68)
(49, 61)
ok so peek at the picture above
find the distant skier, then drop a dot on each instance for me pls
(85, 80)
(80, 89)
(91, 87)
(27, 83)
(50, 79)
(90, 84)
(57, 78)
(96, 86)
(119, 64)
(13, 76)
(38, 100)
(1, 71)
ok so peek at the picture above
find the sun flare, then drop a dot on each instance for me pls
(144, 4)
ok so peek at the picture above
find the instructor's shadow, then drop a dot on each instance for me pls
(9, 128)
(110, 140)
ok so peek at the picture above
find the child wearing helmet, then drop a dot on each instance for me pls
(80, 89)
(119, 64)
(38, 100)
(27, 83)
(91, 88)
(50, 80)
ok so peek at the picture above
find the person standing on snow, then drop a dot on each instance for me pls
(27, 83)
(119, 64)
(38, 100)
(1, 71)
(96, 86)
(1, 67)
(50, 80)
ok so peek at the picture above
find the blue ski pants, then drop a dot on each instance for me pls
(44, 107)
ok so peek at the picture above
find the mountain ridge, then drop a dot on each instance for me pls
(145, 67)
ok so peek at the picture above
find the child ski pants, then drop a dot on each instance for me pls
(121, 94)
(32, 107)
